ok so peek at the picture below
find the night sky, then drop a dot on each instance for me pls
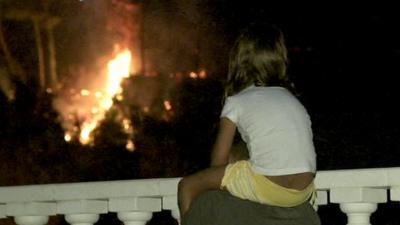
(341, 59)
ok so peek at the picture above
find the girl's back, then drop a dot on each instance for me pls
(276, 128)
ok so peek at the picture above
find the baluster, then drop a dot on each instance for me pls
(31, 220)
(81, 219)
(2, 211)
(358, 203)
(322, 199)
(31, 213)
(135, 218)
(176, 215)
(395, 193)
(171, 203)
(135, 210)
(82, 212)
(358, 213)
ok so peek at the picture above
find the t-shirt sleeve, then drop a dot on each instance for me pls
(230, 110)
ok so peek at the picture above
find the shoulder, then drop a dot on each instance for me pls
(257, 94)
(263, 92)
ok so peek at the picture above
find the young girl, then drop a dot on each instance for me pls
(273, 123)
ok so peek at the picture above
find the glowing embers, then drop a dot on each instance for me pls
(167, 105)
(202, 74)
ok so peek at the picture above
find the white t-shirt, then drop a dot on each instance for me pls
(276, 128)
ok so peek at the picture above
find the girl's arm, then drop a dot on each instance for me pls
(223, 143)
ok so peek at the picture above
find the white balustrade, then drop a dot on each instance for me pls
(30, 213)
(134, 218)
(2, 211)
(81, 219)
(358, 213)
(358, 203)
(31, 220)
(171, 203)
(135, 210)
(82, 212)
(358, 193)
(321, 199)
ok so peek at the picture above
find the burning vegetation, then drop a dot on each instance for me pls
(123, 80)
(84, 109)
(95, 86)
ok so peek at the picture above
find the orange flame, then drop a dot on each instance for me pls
(118, 68)
(83, 110)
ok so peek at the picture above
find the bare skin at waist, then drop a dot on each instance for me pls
(293, 181)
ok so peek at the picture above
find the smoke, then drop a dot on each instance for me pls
(181, 36)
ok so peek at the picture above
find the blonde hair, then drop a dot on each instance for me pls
(259, 57)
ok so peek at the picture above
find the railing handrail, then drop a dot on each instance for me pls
(150, 187)
(357, 191)
(366, 177)
(369, 177)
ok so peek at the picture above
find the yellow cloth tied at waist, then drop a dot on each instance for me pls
(241, 181)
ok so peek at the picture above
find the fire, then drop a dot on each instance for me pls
(193, 75)
(118, 68)
(202, 74)
(167, 105)
(83, 109)
(85, 92)
(84, 104)
(67, 137)
(87, 129)
(91, 87)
